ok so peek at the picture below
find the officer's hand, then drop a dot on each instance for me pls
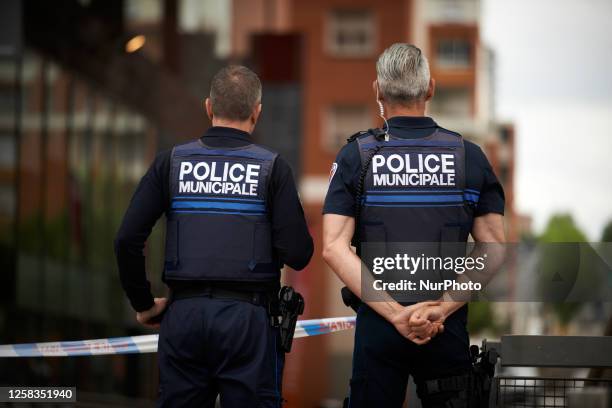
(424, 332)
(158, 307)
(428, 321)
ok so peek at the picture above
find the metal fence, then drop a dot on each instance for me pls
(570, 352)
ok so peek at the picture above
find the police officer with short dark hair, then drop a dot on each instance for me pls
(427, 340)
(233, 218)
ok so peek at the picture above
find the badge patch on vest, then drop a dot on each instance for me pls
(412, 169)
(218, 177)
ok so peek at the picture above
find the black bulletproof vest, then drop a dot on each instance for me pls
(414, 189)
(218, 227)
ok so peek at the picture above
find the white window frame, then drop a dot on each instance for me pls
(333, 26)
(446, 63)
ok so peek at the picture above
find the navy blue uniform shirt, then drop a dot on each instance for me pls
(342, 190)
(291, 239)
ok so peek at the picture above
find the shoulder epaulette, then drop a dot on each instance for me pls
(376, 132)
(356, 135)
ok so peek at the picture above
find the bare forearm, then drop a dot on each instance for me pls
(450, 306)
(488, 232)
(347, 265)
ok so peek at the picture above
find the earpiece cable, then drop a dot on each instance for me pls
(381, 113)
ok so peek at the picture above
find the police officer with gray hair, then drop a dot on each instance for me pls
(427, 339)
(233, 219)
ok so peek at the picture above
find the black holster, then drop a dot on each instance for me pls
(350, 299)
(284, 313)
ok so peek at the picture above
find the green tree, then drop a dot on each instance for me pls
(481, 318)
(561, 228)
(559, 265)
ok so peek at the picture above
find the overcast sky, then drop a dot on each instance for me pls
(554, 81)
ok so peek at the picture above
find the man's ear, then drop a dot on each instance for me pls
(208, 108)
(375, 89)
(256, 113)
(431, 90)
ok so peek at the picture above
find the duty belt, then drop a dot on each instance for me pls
(256, 298)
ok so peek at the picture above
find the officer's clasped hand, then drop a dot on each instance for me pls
(420, 322)
(152, 318)
(428, 321)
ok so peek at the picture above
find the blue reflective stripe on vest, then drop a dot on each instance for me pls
(217, 212)
(471, 197)
(417, 196)
(413, 198)
(219, 205)
(414, 205)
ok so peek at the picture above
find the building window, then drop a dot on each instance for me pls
(341, 121)
(211, 17)
(143, 11)
(454, 53)
(351, 33)
(455, 102)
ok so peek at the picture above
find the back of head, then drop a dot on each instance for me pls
(235, 91)
(403, 74)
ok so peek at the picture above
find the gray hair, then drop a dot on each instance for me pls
(403, 74)
(234, 92)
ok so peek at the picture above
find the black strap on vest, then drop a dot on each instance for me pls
(379, 135)
(348, 297)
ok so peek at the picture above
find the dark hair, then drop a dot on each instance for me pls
(234, 92)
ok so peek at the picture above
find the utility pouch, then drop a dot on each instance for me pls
(469, 390)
